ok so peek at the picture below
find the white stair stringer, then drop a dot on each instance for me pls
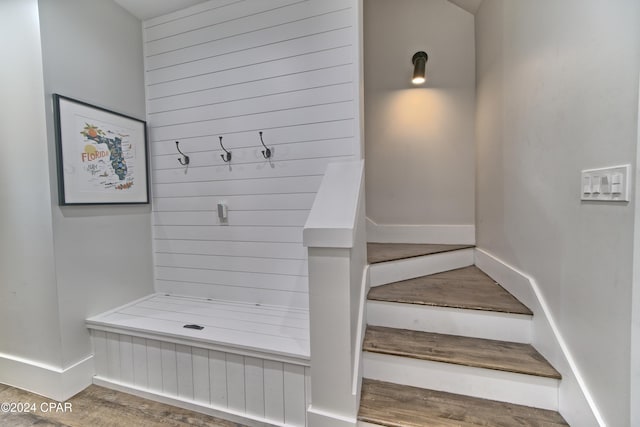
(451, 321)
(528, 390)
(409, 268)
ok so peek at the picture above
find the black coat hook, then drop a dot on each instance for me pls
(266, 153)
(185, 157)
(227, 156)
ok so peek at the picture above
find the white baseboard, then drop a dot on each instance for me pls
(356, 386)
(575, 401)
(319, 418)
(48, 381)
(190, 405)
(436, 234)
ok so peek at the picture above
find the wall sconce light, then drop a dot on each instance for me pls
(419, 62)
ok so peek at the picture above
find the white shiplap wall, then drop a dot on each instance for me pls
(232, 68)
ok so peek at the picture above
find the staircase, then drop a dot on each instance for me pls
(447, 346)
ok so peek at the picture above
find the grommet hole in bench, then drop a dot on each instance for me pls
(198, 327)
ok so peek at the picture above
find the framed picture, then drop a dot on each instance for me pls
(102, 155)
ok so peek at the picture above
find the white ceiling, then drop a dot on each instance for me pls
(147, 9)
(470, 6)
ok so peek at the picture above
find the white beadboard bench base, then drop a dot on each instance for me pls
(250, 361)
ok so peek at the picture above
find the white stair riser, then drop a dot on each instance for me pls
(452, 321)
(484, 383)
(394, 271)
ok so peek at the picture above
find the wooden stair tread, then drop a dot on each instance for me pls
(382, 252)
(467, 351)
(395, 405)
(467, 288)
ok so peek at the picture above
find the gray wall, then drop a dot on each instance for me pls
(419, 141)
(92, 51)
(634, 396)
(557, 93)
(29, 325)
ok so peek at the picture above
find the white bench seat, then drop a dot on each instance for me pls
(249, 363)
(253, 328)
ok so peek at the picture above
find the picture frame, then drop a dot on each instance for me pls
(102, 156)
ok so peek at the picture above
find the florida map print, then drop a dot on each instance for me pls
(106, 157)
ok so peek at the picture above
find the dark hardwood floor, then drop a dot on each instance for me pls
(100, 407)
(394, 405)
(467, 288)
(476, 352)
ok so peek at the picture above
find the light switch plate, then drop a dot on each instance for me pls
(596, 184)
